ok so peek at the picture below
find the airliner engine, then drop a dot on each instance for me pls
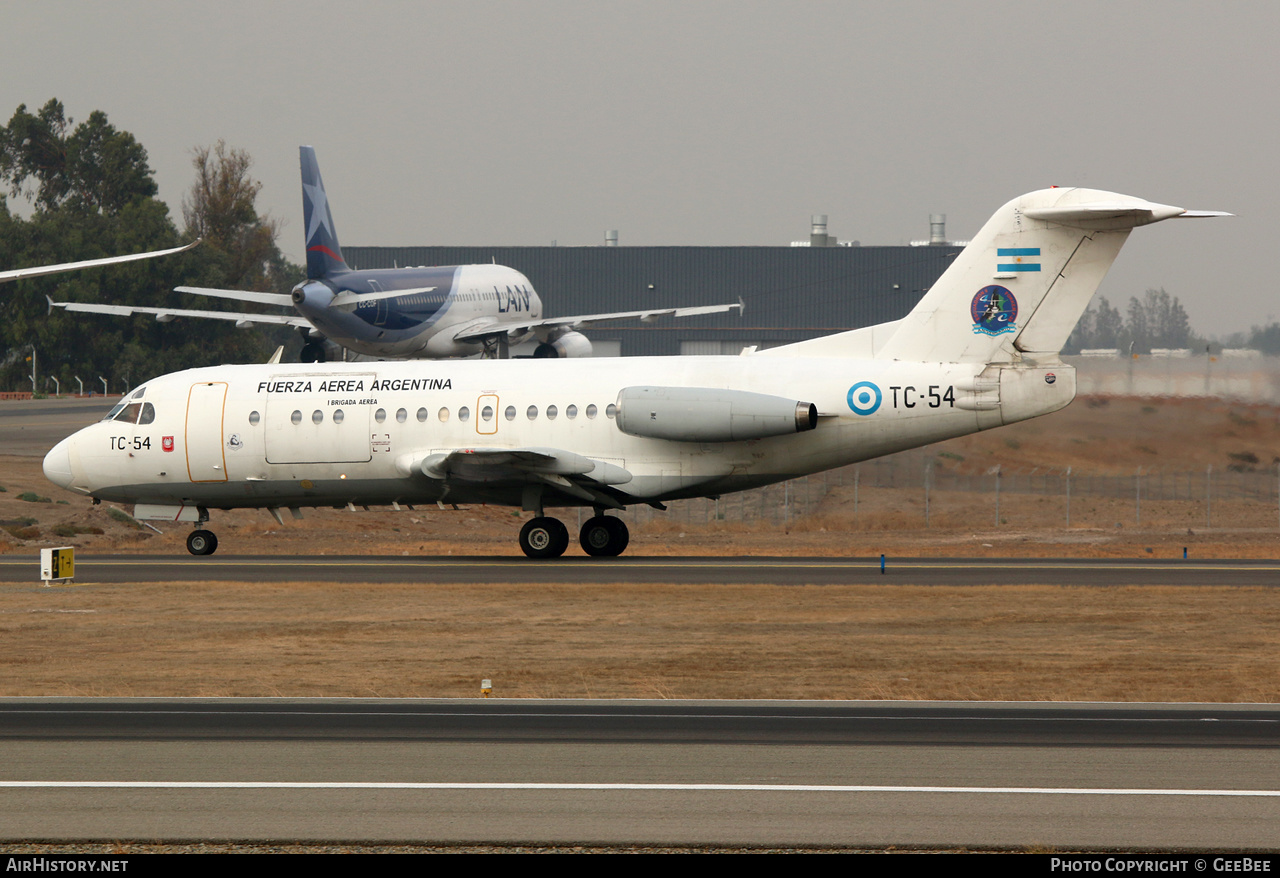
(708, 414)
(566, 344)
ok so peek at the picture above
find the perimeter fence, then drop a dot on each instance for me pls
(921, 479)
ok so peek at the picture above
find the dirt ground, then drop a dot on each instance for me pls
(1019, 643)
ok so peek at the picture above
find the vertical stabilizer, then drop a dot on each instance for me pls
(324, 254)
(1022, 283)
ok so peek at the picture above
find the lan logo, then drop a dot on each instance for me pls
(994, 310)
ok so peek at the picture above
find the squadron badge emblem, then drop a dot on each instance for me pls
(994, 310)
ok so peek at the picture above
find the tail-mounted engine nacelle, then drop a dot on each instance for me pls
(707, 414)
(566, 344)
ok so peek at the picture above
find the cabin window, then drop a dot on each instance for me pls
(296, 417)
(532, 413)
(610, 410)
(422, 416)
(254, 418)
(338, 416)
(464, 414)
(486, 413)
(571, 412)
(317, 417)
(591, 410)
(510, 413)
(552, 411)
(380, 415)
(401, 416)
(443, 414)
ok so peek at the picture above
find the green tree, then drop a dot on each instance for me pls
(221, 209)
(94, 196)
(91, 167)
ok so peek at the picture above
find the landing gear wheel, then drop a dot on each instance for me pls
(312, 352)
(544, 537)
(202, 542)
(604, 536)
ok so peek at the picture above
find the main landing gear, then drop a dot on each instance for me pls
(546, 537)
(202, 542)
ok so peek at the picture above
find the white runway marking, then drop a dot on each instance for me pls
(663, 787)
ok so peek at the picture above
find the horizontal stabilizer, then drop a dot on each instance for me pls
(351, 298)
(1113, 215)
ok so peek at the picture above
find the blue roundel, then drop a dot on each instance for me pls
(864, 398)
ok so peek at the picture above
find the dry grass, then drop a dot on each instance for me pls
(643, 641)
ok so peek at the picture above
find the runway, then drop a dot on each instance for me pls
(93, 569)
(636, 772)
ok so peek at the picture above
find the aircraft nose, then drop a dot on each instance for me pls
(57, 464)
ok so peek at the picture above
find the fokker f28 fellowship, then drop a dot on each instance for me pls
(445, 311)
(978, 351)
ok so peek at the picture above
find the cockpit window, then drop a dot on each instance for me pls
(130, 413)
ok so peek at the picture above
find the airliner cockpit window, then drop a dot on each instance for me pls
(148, 414)
(129, 414)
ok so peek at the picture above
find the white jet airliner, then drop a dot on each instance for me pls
(978, 351)
(442, 311)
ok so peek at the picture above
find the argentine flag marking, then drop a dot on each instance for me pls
(1019, 256)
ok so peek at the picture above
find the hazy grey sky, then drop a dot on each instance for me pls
(700, 122)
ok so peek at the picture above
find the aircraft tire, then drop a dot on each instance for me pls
(312, 353)
(202, 542)
(604, 536)
(544, 537)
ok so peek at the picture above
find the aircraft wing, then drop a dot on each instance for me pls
(566, 471)
(284, 300)
(164, 315)
(479, 331)
(39, 270)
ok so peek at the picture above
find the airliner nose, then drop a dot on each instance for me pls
(57, 464)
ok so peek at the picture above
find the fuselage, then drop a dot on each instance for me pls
(332, 434)
(415, 312)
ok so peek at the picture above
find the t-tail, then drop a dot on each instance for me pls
(324, 254)
(1018, 289)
